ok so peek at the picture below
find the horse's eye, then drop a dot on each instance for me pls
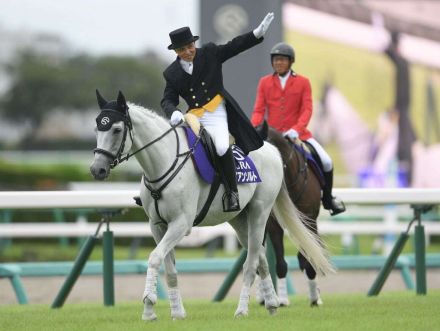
(117, 130)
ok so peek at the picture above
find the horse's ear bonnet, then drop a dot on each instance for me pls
(111, 112)
(101, 101)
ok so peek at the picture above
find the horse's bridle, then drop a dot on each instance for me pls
(128, 127)
(118, 158)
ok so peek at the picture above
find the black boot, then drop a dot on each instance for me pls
(230, 198)
(335, 205)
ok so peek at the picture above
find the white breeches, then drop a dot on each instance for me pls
(326, 161)
(216, 123)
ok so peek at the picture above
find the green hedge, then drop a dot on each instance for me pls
(15, 176)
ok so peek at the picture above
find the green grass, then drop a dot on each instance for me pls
(389, 311)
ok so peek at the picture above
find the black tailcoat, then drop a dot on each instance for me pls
(206, 82)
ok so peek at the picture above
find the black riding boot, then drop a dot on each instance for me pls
(335, 205)
(230, 198)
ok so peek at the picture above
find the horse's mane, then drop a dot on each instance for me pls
(277, 137)
(135, 109)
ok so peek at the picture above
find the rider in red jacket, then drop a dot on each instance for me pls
(286, 98)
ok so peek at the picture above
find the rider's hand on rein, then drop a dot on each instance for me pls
(176, 118)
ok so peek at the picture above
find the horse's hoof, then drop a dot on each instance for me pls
(284, 302)
(273, 303)
(178, 314)
(149, 317)
(178, 317)
(316, 303)
(272, 310)
(241, 313)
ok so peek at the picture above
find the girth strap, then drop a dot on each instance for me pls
(157, 193)
(212, 192)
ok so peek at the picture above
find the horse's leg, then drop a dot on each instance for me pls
(175, 232)
(267, 291)
(276, 234)
(265, 287)
(309, 271)
(249, 227)
(176, 305)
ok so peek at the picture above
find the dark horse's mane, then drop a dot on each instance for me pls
(276, 138)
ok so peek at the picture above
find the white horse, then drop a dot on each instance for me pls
(171, 212)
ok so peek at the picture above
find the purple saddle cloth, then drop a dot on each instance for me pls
(245, 169)
(313, 163)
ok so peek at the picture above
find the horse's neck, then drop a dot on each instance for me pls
(148, 126)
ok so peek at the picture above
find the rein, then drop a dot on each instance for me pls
(157, 193)
(118, 158)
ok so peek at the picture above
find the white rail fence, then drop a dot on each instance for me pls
(388, 202)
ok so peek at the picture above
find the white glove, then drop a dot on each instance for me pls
(264, 25)
(291, 134)
(176, 117)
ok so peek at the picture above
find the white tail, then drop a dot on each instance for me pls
(307, 242)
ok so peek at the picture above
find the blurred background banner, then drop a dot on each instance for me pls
(220, 21)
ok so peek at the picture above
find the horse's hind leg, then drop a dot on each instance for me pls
(310, 273)
(266, 289)
(176, 304)
(276, 234)
(307, 268)
(256, 258)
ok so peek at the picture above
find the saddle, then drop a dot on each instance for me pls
(205, 156)
(312, 157)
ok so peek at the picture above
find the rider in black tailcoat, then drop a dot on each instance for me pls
(196, 76)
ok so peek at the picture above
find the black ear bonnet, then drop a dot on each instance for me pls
(111, 112)
(107, 117)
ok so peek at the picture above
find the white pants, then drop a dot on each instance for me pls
(216, 123)
(326, 161)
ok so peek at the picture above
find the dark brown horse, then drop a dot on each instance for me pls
(305, 191)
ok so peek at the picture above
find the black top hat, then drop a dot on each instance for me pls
(181, 37)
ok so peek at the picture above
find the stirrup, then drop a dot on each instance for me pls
(337, 206)
(230, 202)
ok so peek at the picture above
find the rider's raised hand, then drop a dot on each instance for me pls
(176, 117)
(260, 31)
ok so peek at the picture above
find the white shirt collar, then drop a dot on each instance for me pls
(283, 79)
(187, 66)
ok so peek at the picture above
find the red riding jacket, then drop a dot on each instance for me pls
(288, 108)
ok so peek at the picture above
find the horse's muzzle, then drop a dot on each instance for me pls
(100, 170)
